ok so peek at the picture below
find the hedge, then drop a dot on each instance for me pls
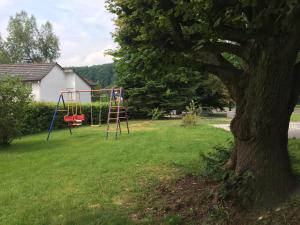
(39, 115)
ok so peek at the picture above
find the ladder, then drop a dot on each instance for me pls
(117, 112)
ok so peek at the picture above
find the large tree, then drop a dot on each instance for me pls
(4, 58)
(27, 43)
(212, 36)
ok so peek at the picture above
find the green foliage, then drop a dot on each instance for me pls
(173, 220)
(192, 108)
(38, 116)
(236, 187)
(212, 93)
(103, 75)
(214, 163)
(4, 57)
(27, 43)
(156, 114)
(47, 44)
(153, 72)
(14, 99)
(218, 214)
(191, 118)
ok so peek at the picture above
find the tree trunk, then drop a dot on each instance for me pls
(260, 128)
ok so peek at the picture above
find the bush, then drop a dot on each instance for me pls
(14, 98)
(236, 187)
(39, 115)
(156, 114)
(190, 118)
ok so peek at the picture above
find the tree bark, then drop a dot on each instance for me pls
(265, 101)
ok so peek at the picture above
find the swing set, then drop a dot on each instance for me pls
(74, 116)
(69, 102)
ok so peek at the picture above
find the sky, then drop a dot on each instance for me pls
(83, 26)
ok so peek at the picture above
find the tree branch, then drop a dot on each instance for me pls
(232, 48)
(232, 34)
(214, 63)
(228, 75)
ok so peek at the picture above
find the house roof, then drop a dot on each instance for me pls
(28, 72)
(89, 82)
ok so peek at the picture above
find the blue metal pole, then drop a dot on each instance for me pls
(64, 104)
(54, 117)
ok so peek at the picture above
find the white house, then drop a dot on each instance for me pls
(48, 80)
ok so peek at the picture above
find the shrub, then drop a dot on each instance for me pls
(156, 114)
(39, 115)
(231, 185)
(14, 99)
(190, 118)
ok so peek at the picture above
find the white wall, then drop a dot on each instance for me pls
(81, 85)
(35, 90)
(59, 80)
(70, 86)
(52, 84)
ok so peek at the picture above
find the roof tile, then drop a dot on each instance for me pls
(28, 72)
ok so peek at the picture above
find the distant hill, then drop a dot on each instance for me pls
(102, 75)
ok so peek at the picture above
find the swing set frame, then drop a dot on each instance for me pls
(66, 108)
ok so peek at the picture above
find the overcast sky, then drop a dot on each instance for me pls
(83, 27)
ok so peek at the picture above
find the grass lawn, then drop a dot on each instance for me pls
(295, 117)
(84, 179)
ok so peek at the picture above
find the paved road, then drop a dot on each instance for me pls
(294, 131)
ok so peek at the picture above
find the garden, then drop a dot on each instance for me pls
(85, 179)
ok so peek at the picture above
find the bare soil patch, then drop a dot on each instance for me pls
(192, 200)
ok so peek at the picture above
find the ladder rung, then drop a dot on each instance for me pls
(115, 106)
(117, 118)
(117, 112)
(61, 110)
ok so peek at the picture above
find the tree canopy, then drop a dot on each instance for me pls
(27, 43)
(154, 75)
(251, 46)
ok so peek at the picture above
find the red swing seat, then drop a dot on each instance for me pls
(74, 118)
(68, 119)
(79, 118)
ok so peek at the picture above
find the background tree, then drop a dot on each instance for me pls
(47, 43)
(212, 93)
(151, 84)
(14, 98)
(104, 75)
(168, 91)
(207, 35)
(4, 58)
(26, 43)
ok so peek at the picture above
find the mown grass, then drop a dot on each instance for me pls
(84, 179)
(295, 117)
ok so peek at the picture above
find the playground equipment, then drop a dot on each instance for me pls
(74, 116)
(74, 119)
